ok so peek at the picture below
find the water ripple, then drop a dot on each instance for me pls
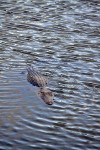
(61, 38)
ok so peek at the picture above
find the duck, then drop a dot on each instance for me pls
(37, 79)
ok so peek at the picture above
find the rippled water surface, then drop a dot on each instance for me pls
(61, 38)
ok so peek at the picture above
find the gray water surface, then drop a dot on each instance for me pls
(61, 38)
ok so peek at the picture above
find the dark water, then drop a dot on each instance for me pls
(60, 37)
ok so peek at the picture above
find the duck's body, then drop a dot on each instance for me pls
(37, 79)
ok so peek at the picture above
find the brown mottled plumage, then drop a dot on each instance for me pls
(37, 79)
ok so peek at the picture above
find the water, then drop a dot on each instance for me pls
(61, 38)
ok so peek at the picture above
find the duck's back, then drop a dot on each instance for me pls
(36, 78)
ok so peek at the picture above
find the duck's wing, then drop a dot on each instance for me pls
(36, 78)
